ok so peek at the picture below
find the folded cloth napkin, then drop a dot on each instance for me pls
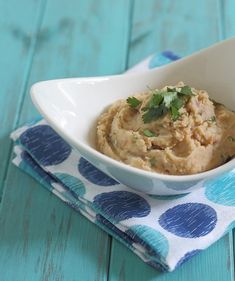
(164, 231)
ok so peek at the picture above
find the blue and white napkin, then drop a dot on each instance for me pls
(163, 231)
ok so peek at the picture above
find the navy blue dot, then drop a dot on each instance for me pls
(45, 145)
(187, 256)
(92, 174)
(170, 55)
(189, 220)
(121, 205)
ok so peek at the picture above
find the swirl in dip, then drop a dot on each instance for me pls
(176, 130)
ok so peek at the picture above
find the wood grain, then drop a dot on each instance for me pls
(40, 237)
(212, 264)
(227, 14)
(183, 26)
(17, 38)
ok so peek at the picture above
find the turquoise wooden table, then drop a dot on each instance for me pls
(40, 237)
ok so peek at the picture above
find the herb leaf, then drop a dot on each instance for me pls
(177, 103)
(149, 133)
(154, 113)
(186, 90)
(174, 113)
(155, 100)
(168, 98)
(133, 102)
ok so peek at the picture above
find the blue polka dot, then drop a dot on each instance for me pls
(94, 175)
(187, 256)
(115, 231)
(74, 185)
(34, 169)
(189, 220)
(162, 59)
(170, 55)
(121, 205)
(153, 241)
(221, 190)
(45, 145)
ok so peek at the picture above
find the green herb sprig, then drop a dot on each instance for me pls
(162, 102)
(133, 102)
(149, 133)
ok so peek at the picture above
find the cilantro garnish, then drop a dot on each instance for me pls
(154, 113)
(169, 100)
(174, 113)
(133, 102)
(186, 90)
(162, 102)
(149, 133)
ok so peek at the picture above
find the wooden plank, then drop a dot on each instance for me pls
(16, 45)
(227, 14)
(208, 265)
(182, 26)
(43, 239)
(40, 238)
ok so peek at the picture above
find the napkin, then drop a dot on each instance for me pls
(164, 231)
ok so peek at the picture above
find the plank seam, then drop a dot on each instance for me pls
(41, 11)
(110, 256)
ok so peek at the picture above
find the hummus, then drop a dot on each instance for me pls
(176, 130)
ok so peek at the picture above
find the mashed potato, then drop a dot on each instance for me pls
(176, 130)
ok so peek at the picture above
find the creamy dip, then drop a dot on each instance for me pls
(177, 130)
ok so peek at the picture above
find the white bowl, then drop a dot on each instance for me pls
(72, 106)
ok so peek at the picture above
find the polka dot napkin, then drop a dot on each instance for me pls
(164, 231)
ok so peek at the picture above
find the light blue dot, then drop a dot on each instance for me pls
(154, 241)
(221, 190)
(73, 184)
(189, 220)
